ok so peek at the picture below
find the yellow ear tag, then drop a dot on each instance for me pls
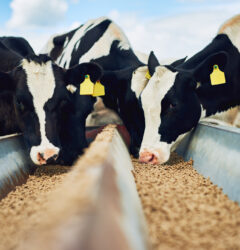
(217, 76)
(86, 87)
(99, 89)
(148, 76)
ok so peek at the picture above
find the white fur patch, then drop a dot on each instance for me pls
(139, 81)
(157, 87)
(41, 85)
(103, 45)
(71, 88)
(100, 48)
(198, 85)
(203, 112)
(69, 47)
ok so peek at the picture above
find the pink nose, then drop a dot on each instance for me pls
(156, 156)
(148, 157)
(47, 155)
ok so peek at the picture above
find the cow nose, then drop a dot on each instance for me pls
(153, 157)
(148, 157)
(48, 156)
(52, 159)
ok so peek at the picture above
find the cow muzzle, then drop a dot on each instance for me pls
(154, 156)
(44, 155)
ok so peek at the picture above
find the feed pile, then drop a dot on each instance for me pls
(184, 210)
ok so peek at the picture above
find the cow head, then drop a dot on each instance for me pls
(171, 104)
(41, 96)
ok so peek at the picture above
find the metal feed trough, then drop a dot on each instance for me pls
(15, 164)
(214, 149)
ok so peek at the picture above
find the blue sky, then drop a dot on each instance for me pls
(92, 8)
(79, 10)
(172, 28)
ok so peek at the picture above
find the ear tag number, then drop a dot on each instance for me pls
(217, 76)
(99, 89)
(87, 86)
(148, 76)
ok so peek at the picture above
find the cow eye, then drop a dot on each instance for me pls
(172, 105)
(20, 105)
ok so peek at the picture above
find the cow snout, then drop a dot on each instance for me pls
(153, 157)
(41, 156)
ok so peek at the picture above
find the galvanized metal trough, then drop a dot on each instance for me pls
(215, 151)
(96, 207)
(15, 164)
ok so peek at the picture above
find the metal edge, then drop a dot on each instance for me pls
(111, 216)
(15, 164)
(215, 151)
(220, 127)
(133, 220)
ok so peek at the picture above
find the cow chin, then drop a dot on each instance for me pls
(44, 154)
(155, 156)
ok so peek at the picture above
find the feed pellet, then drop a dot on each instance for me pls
(184, 210)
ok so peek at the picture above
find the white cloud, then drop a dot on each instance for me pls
(174, 36)
(74, 25)
(169, 37)
(26, 13)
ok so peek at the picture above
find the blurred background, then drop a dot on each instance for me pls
(173, 28)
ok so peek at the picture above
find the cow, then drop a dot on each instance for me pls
(20, 46)
(102, 41)
(51, 119)
(187, 92)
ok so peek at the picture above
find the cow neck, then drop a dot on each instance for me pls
(219, 98)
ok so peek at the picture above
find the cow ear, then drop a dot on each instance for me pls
(77, 74)
(178, 62)
(174, 65)
(117, 76)
(205, 68)
(6, 82)
(152, 63)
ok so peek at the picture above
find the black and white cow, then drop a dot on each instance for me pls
(103, 42)
(19, 46)
(181, 95)
(52, 121)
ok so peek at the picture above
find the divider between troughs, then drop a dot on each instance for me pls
(97, 205)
